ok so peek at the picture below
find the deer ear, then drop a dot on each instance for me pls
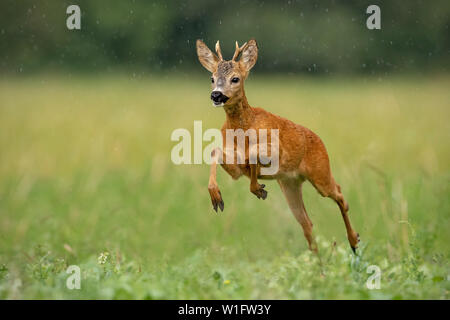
(208, 59)
(249, 55)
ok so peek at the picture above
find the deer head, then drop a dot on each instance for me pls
(227, 80)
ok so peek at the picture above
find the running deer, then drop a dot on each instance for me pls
(301, 154)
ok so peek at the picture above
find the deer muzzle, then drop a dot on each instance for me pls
(218, 98)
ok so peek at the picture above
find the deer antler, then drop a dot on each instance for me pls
(238, 50)
(219, 52)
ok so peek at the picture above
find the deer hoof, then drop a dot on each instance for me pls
(216, 198)
(260, 192)
(354, 247)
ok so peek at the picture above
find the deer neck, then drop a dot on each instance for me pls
(240, 114)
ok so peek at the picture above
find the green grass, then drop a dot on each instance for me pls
(85, 169)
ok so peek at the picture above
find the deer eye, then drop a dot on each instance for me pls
(212, 80)
(235, 80)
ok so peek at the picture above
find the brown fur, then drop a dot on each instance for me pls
(302, 153)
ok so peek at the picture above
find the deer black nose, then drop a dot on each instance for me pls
(216, 96)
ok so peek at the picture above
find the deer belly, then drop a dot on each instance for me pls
(245, 170)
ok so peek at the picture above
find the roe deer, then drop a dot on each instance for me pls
(302, 154)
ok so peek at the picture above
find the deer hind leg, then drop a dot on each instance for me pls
(292, 189)
(233, 170)
(324, 183)
(337, 196)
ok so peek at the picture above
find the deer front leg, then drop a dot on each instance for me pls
(256, 188)
(213, 188)
(218, 156)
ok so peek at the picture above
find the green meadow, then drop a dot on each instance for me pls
(86, 179)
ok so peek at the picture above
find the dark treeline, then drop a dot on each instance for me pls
(294, 36)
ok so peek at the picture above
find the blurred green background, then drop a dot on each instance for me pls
(86, 177)
(317, 37)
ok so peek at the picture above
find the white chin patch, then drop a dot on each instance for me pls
(220, 104)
